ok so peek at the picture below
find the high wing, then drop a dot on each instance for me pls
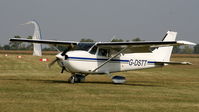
(139, 47)
(132, 47)
(53, 42)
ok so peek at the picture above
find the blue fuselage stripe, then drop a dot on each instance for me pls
(103, 59)
(151, 62)
(98, 59)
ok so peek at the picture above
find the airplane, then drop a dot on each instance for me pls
(89, 58)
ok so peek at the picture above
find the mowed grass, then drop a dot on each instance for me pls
(27, 85)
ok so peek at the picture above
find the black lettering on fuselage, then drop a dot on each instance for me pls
(137, 62)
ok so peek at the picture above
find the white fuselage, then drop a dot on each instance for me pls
(84, 62)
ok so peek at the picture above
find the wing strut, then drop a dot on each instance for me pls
(110, 59)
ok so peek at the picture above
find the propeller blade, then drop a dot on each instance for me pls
(52, 63)
(63, 53)
(63, 68)
(67, 49)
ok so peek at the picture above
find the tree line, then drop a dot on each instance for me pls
(29, 46)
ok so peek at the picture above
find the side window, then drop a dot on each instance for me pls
(93, 51)
(103, 52)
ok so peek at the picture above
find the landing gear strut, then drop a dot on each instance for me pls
(77, 78)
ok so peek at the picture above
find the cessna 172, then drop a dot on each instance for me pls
(84, 58)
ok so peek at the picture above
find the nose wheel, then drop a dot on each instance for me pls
(76, 78)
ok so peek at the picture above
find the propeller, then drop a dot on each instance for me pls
(60, 57)
(52, 63)
(67, 49)
(63, 68)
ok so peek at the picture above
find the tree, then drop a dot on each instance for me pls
(117, 40)
(62, 48)
(20, 45)
(50, 48)
(176, 49)
(86, 40)
(196, 49)
(136, 39)
(6, 47)
(15, 45)
(1, 47)
(187, 50)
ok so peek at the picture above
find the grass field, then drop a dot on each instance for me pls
(27, 85)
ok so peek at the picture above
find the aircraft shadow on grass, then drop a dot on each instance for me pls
(130, 83)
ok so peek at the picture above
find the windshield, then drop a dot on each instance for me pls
(84, 46)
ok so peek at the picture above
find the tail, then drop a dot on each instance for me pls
(164, 53)
(37, 36)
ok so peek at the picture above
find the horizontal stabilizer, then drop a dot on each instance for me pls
(182, 42)
(172, 63)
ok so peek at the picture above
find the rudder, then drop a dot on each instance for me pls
(164, 53)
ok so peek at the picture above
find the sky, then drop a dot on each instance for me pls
(100, 20)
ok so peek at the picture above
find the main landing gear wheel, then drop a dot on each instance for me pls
(77, 78)
(118, 79)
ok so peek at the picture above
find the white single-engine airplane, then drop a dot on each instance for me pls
(84, 58)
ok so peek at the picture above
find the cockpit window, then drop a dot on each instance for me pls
(84, 46)
(103, 52)
(93, 50)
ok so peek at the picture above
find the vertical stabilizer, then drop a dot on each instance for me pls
(164, 53)
(36, 36)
